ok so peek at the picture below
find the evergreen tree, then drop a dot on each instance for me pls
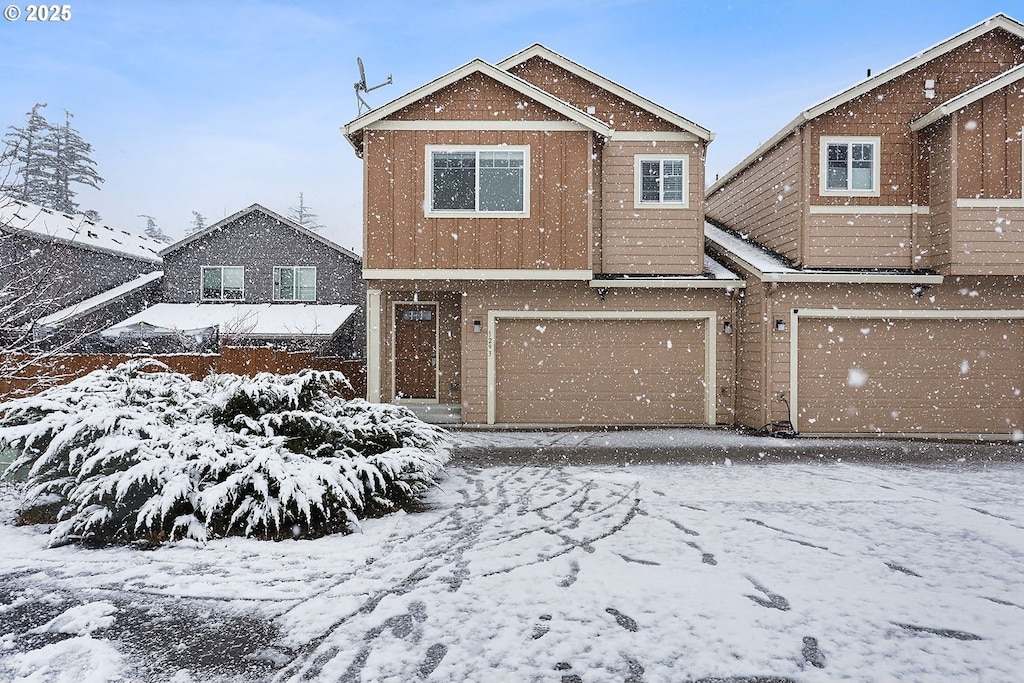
(198, 223)
(71, 165)
(303, 215)
(25, 151)
(153, 231)
(47, 160)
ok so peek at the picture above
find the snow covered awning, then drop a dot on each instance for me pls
(250, 320)
(767, 266)
(715, 275)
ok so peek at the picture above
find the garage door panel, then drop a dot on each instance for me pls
(571, 371)
(916, 375)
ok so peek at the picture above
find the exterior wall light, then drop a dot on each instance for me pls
(780, 325)
(476, 325)
(727, 327)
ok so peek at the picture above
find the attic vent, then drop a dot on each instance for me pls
(929, 89)
(591, 110)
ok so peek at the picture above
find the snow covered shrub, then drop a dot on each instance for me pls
(127, 454)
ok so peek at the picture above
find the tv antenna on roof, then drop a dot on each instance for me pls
(360, 86)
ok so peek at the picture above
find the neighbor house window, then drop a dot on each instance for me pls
(850, 166)
(661, 181)
(295, 283)
(492, 181)
(223, 283)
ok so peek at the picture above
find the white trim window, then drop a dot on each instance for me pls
(294, 283)
(850, 166)
(222, 283)
(661, 181)
(492, 181)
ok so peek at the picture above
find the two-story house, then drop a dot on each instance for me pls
(534, 252)
(63, 276)
(881, 234)
(260, 279)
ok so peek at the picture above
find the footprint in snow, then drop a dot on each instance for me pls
(622, 620)
(540, 630)
(811, 653)
(774, 601)
(435, 653)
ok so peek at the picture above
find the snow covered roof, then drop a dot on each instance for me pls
(973, 95)
(538, 50)
(768, 266)
(272, 214)
(94, 302)
(257, 320)
(871, 82)
(715, 275)
(476, 66)
(17, 216)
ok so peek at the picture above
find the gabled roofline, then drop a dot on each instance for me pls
(273, 214)
(998, 21)
(976, 93)
(546, 53)
(475, 66)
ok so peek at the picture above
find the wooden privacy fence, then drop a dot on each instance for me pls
(62, 368)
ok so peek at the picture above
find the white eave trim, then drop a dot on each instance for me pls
(473, 274)
(669, 283)
(969, 97)
(998, 21)
(538, 50)
(503, 77)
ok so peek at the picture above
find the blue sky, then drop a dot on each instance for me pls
(211, 106)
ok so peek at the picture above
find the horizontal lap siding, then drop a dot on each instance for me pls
(859, 241)
(989, 241)
(558, 371)
(650, 241)
(763, 201)
(900, 375)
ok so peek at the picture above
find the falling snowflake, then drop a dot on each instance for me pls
(857, 377)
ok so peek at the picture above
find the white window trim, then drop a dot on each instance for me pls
(637, 180)
(273, 283)
(221, 297)
(876, 171)
(428, 170)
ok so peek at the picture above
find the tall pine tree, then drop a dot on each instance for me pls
(25, 151)
(48, 161)
(302, 215)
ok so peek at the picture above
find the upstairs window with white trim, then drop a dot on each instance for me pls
(487, 181)
(294, 283)
(661, 181)
(850, 166)
(223, 283)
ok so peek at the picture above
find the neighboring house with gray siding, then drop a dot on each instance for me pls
(262, 279)
(51, 262)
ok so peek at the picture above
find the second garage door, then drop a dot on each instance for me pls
(605, 371)
(910, 375)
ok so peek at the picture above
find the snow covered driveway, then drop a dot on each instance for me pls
(803, 571)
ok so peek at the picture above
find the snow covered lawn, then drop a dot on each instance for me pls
(803, 571)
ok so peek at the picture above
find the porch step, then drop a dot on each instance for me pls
(437, 414)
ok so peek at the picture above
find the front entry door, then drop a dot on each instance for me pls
(416, 351)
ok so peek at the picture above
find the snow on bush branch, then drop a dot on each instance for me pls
(127, 454)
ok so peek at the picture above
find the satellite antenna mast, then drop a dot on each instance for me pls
(360, 86)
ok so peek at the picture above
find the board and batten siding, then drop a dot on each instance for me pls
(989, 145)
(763, 201)
(398, 235)
(644, 241)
